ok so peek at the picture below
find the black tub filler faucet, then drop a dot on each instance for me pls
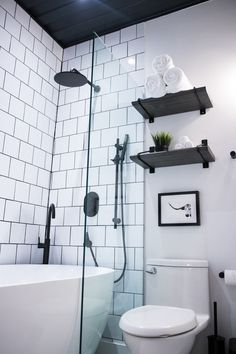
(46, 244)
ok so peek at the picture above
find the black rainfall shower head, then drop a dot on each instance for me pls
(73, 78)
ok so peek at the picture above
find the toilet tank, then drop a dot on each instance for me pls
(178, 282)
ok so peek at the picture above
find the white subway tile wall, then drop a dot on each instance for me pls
(28, 104)
(121, 78)
(29, 99)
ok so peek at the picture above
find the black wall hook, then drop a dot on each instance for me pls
(222, 275)
(233, 154)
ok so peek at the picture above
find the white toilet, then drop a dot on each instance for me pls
(176, 310)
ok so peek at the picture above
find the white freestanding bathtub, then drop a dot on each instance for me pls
(40, 308)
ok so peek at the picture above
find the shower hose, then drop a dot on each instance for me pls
(122, 223)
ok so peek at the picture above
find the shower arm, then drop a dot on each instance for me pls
(96, 87)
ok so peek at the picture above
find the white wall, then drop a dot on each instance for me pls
(29, 58)
(201, 40)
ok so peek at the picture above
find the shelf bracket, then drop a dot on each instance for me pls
(145, 112)
(151, 169)
(205, 164)
(202, 108)
(202, 111)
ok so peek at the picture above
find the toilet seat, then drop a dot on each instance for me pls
(158, 321)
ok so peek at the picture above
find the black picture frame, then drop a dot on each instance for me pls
(179, 209)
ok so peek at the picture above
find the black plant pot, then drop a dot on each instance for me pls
(161, 147)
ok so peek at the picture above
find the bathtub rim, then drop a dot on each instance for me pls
(52, 277)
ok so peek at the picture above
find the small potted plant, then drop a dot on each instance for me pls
(162, 141)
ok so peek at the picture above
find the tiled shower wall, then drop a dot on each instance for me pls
(119, 70)
(29, 59)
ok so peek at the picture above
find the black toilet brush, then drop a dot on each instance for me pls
(216, 344)
(232, 346)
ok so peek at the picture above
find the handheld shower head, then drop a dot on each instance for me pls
(124, 148)
(73, 78)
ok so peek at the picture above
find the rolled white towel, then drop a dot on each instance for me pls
(188, 144)
(176, 80)
(179, 146)
(162, 63)
(183, 140)
(155, 86)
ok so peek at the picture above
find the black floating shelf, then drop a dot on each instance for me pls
(174, 103)
(201, 154)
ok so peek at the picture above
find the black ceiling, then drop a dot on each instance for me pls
(72, 21)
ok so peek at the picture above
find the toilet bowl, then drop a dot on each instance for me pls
(176, 310)
(161, 329)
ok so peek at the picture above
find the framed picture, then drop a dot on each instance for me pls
(178, 209)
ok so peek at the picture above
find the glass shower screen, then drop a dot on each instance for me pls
(113, 190)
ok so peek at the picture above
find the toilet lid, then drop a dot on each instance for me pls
(158, 321)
